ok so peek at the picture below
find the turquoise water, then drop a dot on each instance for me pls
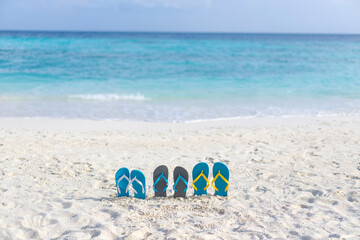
(177, 76)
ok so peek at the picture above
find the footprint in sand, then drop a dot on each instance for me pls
(311, 200)
(316, 192)
(334, 236)
(66, 205)
(305, 238)
(114, 215)
(210, 159)
(35, 221)
(225, 161)
(335, 164)
(92, 230)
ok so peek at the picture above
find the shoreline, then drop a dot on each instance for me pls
(80, 125)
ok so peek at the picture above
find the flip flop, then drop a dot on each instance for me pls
(122, 182)
(138, 184)
(200, 176)
(161, 181)
(221, 179)
(180, 187)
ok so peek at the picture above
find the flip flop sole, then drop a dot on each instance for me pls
(180, 186)
(161, 184)
(139, 188)
(201, 183)
(123, 183)
(220, 184)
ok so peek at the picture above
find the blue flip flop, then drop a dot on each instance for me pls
(200, 176)
(221, 179)
(138, 184)
(122, 182)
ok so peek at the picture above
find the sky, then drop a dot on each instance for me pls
(258, 16)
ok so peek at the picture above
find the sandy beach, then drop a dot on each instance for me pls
(290, 178)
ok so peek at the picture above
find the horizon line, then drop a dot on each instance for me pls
(174, 32)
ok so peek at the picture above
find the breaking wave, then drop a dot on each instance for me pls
(109, 97)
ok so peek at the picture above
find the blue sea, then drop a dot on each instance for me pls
(177, 76)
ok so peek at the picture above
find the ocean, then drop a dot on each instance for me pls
(177, 77)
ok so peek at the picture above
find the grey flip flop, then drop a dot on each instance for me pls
(160, 181)
(181, 178)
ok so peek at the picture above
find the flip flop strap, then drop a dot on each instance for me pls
(223, 178)
(177, 181)
(138, 181)
(117, 185)
(158, 179)
(198, 177)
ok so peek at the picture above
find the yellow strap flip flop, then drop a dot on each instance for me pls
(221, 185)
(200, 175)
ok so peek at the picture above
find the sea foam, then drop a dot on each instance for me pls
(109, 97)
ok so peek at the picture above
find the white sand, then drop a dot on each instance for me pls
(294, 178)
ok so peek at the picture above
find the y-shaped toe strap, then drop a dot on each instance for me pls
(138, 181)
(223, 178)
(177, 181)
(121, 178)
(158, 179)
(198, 177)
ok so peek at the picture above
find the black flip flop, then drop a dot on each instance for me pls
(181, 178)
(160, 181)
